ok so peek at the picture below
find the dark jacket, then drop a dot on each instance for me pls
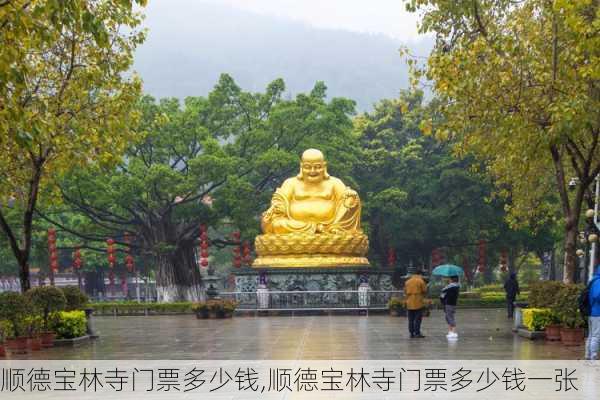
(511, 287)
(449, 296)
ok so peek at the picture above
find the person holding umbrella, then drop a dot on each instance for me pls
(449, 298)
(449, 295)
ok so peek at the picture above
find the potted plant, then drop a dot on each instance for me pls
(14, 307)
(397, 307)
(566, 308)
(553, 327)
(227, 309)
(47, 300)
(201, 310)
(5, 333)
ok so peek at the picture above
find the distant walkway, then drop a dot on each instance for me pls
(484, 334)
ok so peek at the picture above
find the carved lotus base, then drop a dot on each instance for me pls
(307, 250)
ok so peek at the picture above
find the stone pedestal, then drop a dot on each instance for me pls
(314, 279)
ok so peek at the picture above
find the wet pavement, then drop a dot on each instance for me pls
(484, 334)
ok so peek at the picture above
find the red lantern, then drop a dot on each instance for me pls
(247, 253)
(437, 257)
(77, 259)
(504, 260)
(128, 258)
(52, 250)
(391, 257)
(129, 262)
(203, 248)
(111, 252)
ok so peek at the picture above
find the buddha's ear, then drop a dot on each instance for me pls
(325, 173)
(299, 176)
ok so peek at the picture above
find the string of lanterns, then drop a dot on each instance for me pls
(203, 247)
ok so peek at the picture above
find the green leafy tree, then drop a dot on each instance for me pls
(212, 160)
(519, 86)
(418, 196)
(65, 102)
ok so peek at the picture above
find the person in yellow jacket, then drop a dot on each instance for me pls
(415, 290)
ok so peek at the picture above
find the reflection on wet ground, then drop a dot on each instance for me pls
(484, 334)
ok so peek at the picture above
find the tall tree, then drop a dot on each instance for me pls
(519, 83)
(64, 100)
(213, 160)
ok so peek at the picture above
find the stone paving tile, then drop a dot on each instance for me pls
(484, 334)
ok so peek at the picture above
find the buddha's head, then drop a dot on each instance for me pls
(313, 167)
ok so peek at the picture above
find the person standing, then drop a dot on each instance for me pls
(415, 291)
(449, 298)
(511, 287)
(592, 346)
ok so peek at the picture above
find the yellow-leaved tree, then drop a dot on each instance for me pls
(519, 83)
(65, 100)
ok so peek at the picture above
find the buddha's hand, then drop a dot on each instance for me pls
(350, 198)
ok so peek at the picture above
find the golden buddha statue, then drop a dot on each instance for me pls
(313, 221)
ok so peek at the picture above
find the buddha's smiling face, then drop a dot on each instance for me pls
(313, 172)
(313, 166)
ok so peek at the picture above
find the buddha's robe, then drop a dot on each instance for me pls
(329, 207)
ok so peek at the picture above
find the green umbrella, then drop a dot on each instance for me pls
(447, 270)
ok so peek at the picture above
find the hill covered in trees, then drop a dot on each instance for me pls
(186, 52)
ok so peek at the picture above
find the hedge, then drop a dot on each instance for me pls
(69, 324)
(135, 308)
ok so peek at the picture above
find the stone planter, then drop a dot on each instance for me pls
(553, 332)
(72, 342)
(398, 312)
(48, 339)
(224, 314)
(531, 335)
(18, 345)
(572, 336)
(34, 343)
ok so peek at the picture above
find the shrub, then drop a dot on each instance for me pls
(47, 300)
(396, 303)
(69, 324)
(76, 299)
(33, 325)
(566, 306)
(219, 307)
(537, 319)
(543, 294)
(6, 330)
(14, 307)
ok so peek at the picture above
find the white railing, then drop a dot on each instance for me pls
(264, 299)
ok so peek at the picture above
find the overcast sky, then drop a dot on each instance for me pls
(375, 16)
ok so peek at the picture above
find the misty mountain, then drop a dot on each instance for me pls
(189, 47)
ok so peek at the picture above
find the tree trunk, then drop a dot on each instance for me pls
(24, 275)
(178, 277)
(570, 267)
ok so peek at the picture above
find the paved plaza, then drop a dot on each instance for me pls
(484, 334)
